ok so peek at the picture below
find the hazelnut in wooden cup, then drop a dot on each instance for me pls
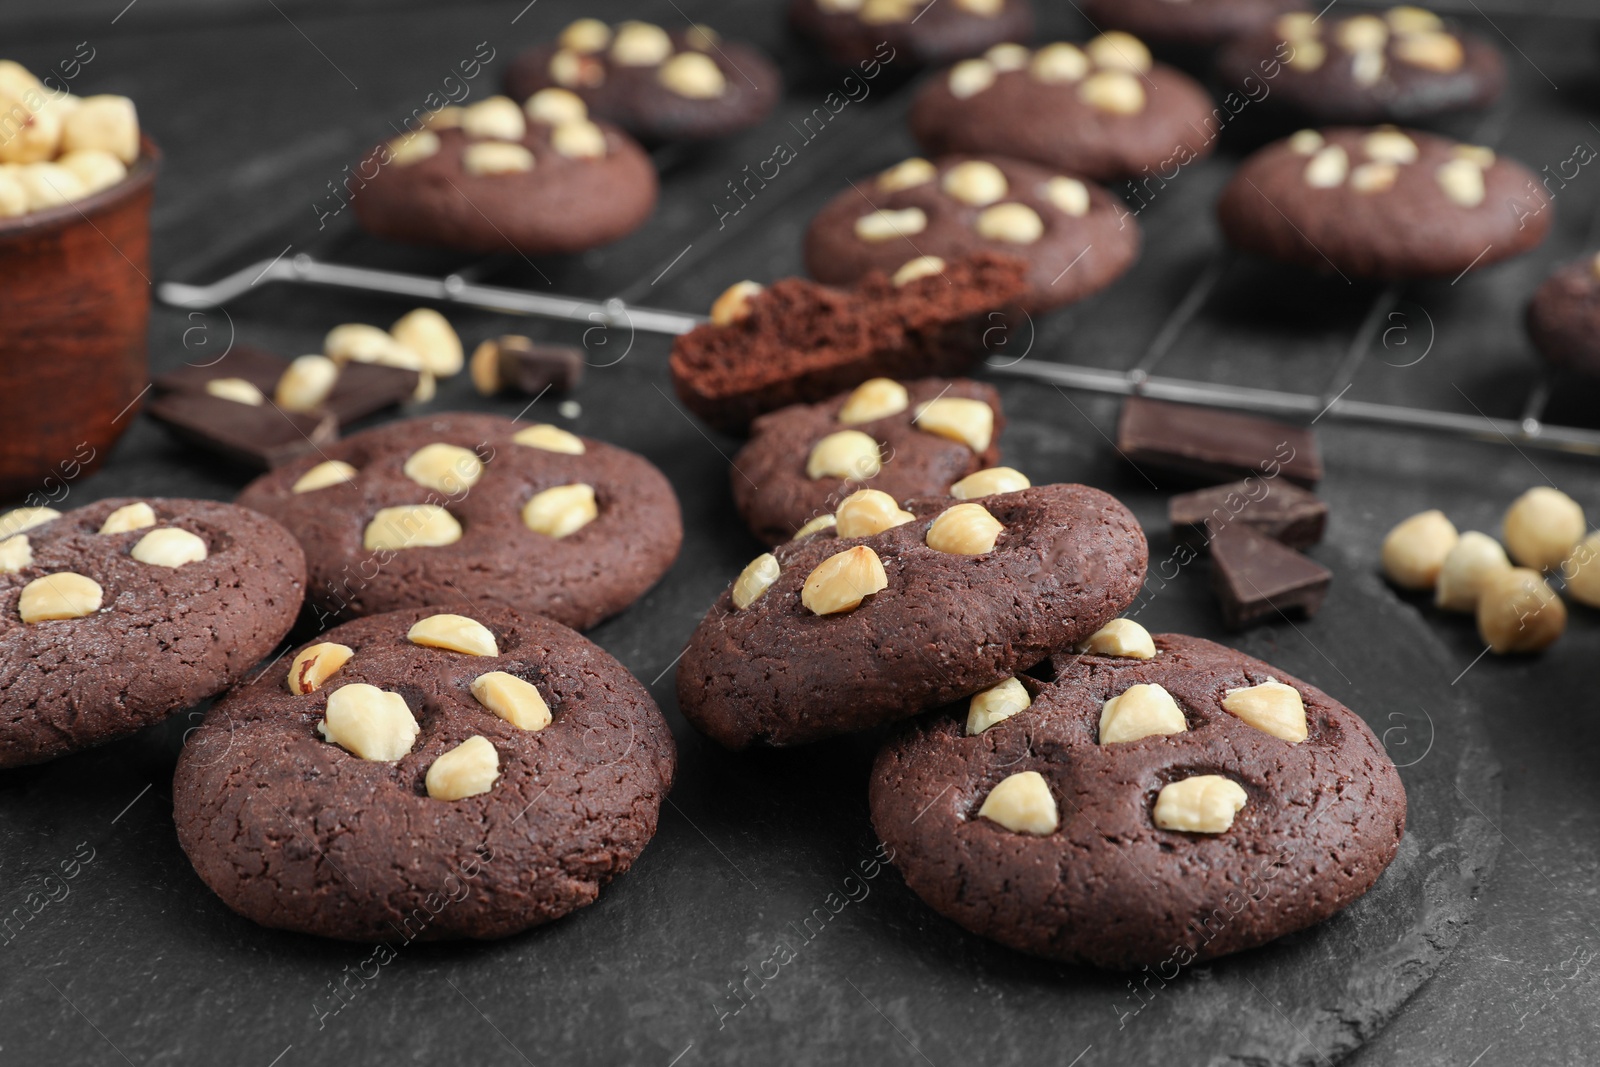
(76, 179)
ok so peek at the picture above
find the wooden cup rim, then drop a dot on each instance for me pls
(140, 176)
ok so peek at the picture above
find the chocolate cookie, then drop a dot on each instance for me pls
(802, 461)
(1141, 811)
(492, 177)
(689, 85)
(476, 509)
(1402, 65)
(910, 32)
(115, 615)
(1103, 110)
(1383, 203)
(1075, 237)
(828, 635)
(1563, 317)
(795, 341)
(1194, 23)
(423, 776)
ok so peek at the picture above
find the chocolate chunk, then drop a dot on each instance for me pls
(257, 435)
(532, 368)
(1255, 578)
(1207, 443)
(1278, 509)
(364, 389)
(257, 366)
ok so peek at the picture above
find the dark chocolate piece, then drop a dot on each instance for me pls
(257, 435)
(532, 368)
(1279, 509)
(1255, 578)
(364, 389)
(257, 366)
(1216, 445)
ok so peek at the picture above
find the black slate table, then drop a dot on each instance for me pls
(1477, 948)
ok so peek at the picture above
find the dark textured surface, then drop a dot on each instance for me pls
(163, 639)
(1321, 821)
(1069, 559)
(588, 575)
(774, 495)
(135, 955)
(296, 833)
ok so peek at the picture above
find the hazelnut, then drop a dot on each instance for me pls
(1476, 153)
(1406, 19)
(640, 44)
(305, 385)
(15, 554)
(986, 8)
(453, 633)
(237, 390)
(579, 140)
(1440, 52)
(30, 136)
(95, 168)
(1142, 710)
(734, 303)
(1298, 26)
(964, 530)
(1471, 561)
(996, 705)
(882, 12)
(906, 174)
(1007, 56)
(886, 224)
(1204, 804)
(1374, 177)
(815, 526)
(1120, 637)
(1119, 51)
(1013, 223)
(971, 422)
(49, 185)
(694, 75)
(18, 81)
(573, 70)
(921, 267)
(1022, 804)
(842, 581)
(497, 118)
(430, 335)
(1361, 33)
(1113, 91)
(1069, 195)
(1327, 169)
(550, 438)
(169, 548)
(847, 454)
(970, 77)
(976, 182)
(585, 36)
(356, 342)
(1581, 571)
(108, 123)
(561, 511)
(488, 159)
(1059, 62)
(1519, 612)
(1462, 181)
(516, 701)
(1308, 55)
(1270, 707)
(413, 148)
(869, 511)
(330, 472)
(134, 516)
(840, 7)
(1389, 146)
(555, 106)
(701, 37)
(988, 482)
(369, 722)
(1366, 68)
(450, 469)
(315, 665)
(1415, 550)
(756, 578)
(13, 197)
(411, 526)
(63, 595)
(1305, 142)
(19, 519)
(875, 398)
(484, 368)
(444, 118)
(1542, 526)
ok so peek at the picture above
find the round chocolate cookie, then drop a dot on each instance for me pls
(802, 461)
(1563, 317)
(493, 177)
(828, 635)
(1383, 203)
(910, 32)
(1103, 110)
(423, 776)
(689, 85)
(115, 615)
(1141, 811)
(1402, 65)
(1075, 237)
(1198, 23)
(479, 509)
